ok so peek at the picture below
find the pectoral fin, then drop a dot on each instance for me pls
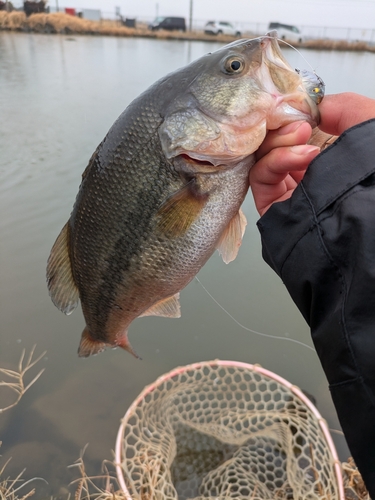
(61, 286)
(168, 308)
(231, 239)
(180, 210)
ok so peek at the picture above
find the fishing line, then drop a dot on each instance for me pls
(250, 330)
(298, 52)
(267, 335)
(292, 47)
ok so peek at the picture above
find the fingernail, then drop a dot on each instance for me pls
(291, 127)
(304, 149)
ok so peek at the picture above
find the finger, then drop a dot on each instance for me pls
(293, 133)
(281, 192)
(298, 175)
(276, 175)
(341, 111)
(280, 161)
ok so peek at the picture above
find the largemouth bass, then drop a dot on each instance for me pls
(164, 188)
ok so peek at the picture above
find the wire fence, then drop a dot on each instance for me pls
(349, 34)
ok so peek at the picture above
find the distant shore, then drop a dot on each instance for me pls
(60, 23)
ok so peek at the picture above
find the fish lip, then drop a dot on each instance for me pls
(307, 109)
(270, 39)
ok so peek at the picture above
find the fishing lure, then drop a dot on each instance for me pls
(313, 84)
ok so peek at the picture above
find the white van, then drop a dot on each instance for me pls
(287, 32)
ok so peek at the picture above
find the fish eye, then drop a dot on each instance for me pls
(233, 65)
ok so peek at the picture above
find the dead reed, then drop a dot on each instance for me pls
(14, 381)
(354, 486)
(338, 45)
(13, 489)
(57, 23)
(101, 487)
(11, 20)
(61, 23)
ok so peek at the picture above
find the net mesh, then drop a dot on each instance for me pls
(219, 431)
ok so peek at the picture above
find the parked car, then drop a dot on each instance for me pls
(221, 28)
(287, 32)
(168, 23)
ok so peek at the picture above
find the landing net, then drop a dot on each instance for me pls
(223, 430)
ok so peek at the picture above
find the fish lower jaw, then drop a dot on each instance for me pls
(286, 113)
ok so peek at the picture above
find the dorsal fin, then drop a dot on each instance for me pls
(61, 286)
(180, 210)
(168, 308)
(231, 238)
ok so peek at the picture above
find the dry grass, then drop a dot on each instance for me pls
(13, 489)
(338, 45)
(354, 486)
(88, 488)
(11, 20)
(65, 24)
(57, 23)
(102, 487)
(15, 380)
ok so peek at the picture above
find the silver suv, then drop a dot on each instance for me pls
(287, 32)
(221, 28)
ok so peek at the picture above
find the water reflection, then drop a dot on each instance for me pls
(58, 98)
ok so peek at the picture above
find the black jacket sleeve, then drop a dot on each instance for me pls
(321, 242)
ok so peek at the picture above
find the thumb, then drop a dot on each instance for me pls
(341, 111)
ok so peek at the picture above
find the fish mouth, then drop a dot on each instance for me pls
(190, 159)
(203, 166)
(270, 42)
(292, 97)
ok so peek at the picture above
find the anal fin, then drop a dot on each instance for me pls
(231, 238)
(168, 308)
(61, 285)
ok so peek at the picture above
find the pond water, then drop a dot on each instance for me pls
(58, 97)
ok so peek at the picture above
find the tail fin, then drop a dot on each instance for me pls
(90, 346)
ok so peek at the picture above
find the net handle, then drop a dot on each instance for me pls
(232, 364)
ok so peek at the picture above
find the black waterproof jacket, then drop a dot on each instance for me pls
(321, 242)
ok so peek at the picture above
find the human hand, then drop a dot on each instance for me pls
(282, 160)
(283, 157)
